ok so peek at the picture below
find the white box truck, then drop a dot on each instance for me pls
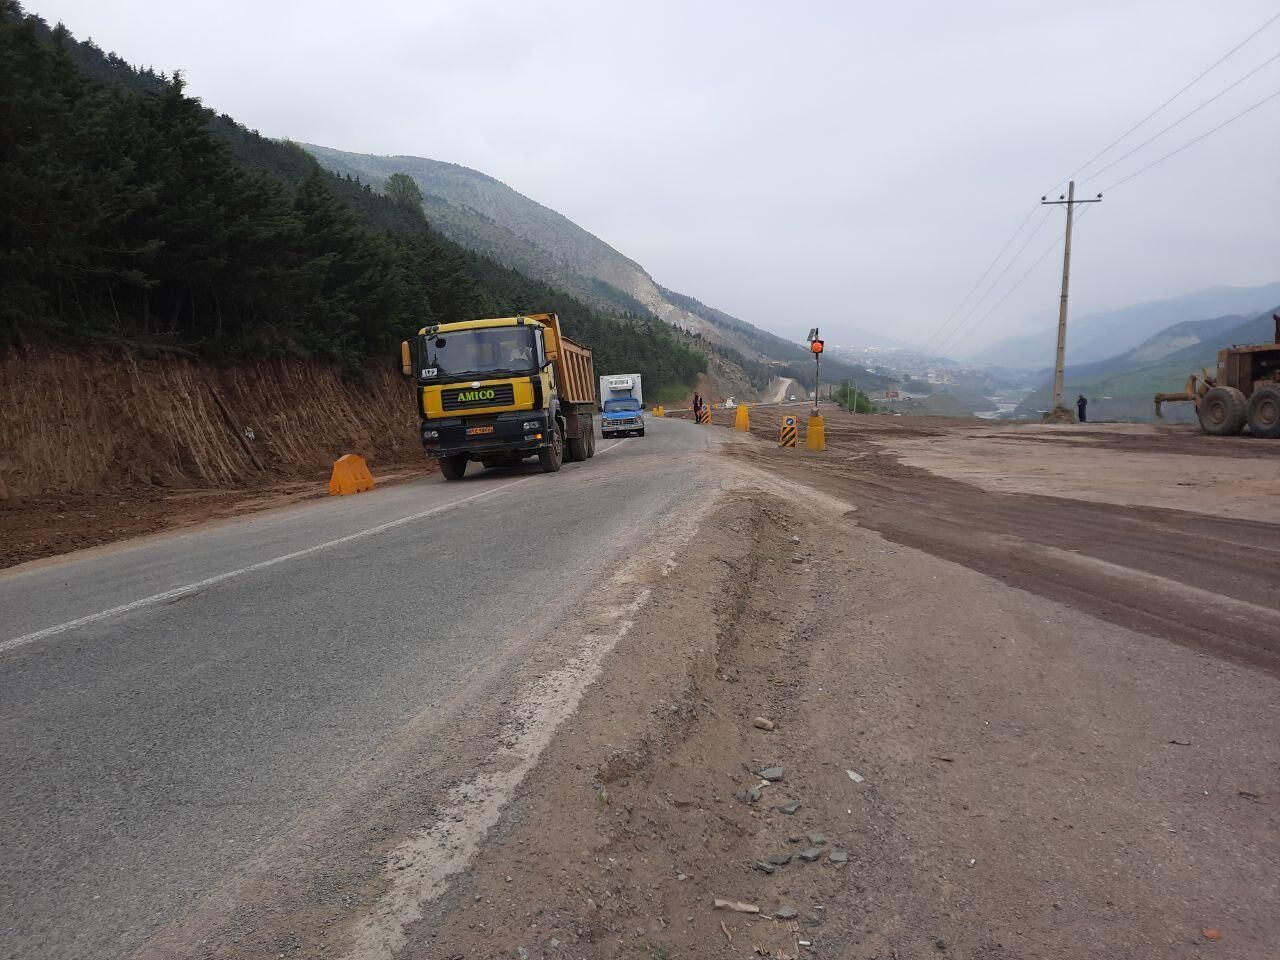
(621, 405)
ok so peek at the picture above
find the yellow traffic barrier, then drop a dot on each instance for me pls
(815, 434)
(787, 436)
(742, 422)
(658, 411)
(704, 416)
(350, 475)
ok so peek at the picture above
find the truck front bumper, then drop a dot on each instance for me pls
(522, 431)
(610, 428)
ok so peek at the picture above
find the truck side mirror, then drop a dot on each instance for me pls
(406, 359)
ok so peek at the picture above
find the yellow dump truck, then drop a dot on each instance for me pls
(498, 391)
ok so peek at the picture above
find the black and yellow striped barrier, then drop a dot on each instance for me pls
(704, 415)
(787, 437)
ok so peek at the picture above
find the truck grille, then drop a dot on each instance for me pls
(463, 398)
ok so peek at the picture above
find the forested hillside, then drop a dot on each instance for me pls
(490, 217)
(133, 215)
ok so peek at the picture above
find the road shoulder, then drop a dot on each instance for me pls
(977, 769)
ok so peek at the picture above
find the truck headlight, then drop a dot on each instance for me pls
(532, 424)
(431, 434)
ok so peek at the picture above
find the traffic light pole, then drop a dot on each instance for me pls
(817, 379)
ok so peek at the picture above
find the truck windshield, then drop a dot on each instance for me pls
(614, 406)
(489, 350)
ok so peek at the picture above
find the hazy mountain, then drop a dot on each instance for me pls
(1122, 387)
(1178, 340)
(488, 216)
(485, 214)
(1100, 336)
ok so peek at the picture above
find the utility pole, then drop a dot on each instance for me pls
(817, 379)
(816, 346)
(1070, 201)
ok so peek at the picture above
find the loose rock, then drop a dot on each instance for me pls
(780, 859)
(789, 808)
(838, 856)
(771, 774)
(810, 854)
(786, 913)
(760, 723)
(765, 867)
(817, 839)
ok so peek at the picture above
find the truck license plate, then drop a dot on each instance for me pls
(477, 431)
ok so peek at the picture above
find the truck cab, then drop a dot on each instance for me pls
(622, 417)
(500, 390)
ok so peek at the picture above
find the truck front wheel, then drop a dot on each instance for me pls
(550, 458)
(454, 467)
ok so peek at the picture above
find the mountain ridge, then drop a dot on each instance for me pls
(1104, 334)
(484, 214)
(1122, 387)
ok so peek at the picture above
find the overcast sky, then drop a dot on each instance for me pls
(793, 164)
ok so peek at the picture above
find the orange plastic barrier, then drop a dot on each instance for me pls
(350, 475)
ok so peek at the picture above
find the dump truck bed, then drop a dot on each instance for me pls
(576, 376)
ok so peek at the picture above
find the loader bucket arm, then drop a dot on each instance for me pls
(1196, 387)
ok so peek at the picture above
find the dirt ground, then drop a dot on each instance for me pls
(1022, 706)
(32, 528)
(994, 748)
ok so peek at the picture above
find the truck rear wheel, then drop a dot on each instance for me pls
(591, 443)
(1264, 413)
(454, 467)
(550, 458)
(1223, 412)
(577, 450)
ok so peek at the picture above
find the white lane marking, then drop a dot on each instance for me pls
(191, 588)
(420, 868)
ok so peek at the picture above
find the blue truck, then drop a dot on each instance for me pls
(621, 406)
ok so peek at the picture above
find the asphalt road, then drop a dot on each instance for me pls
(167, 706)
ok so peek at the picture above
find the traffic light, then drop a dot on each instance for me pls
(816, 346)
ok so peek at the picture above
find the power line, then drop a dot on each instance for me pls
(1021, 280)
(1156, 136)
(1217, 63)
(1191, 143)
(950, 338)
(1008, 243)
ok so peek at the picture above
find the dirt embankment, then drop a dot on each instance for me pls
(98, 445)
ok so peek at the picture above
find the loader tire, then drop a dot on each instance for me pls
(454, 467)
(550, 458)
(1223, 412)
(1264, 413)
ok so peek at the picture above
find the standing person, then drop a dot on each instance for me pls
(1082, 402)
(697, 407)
